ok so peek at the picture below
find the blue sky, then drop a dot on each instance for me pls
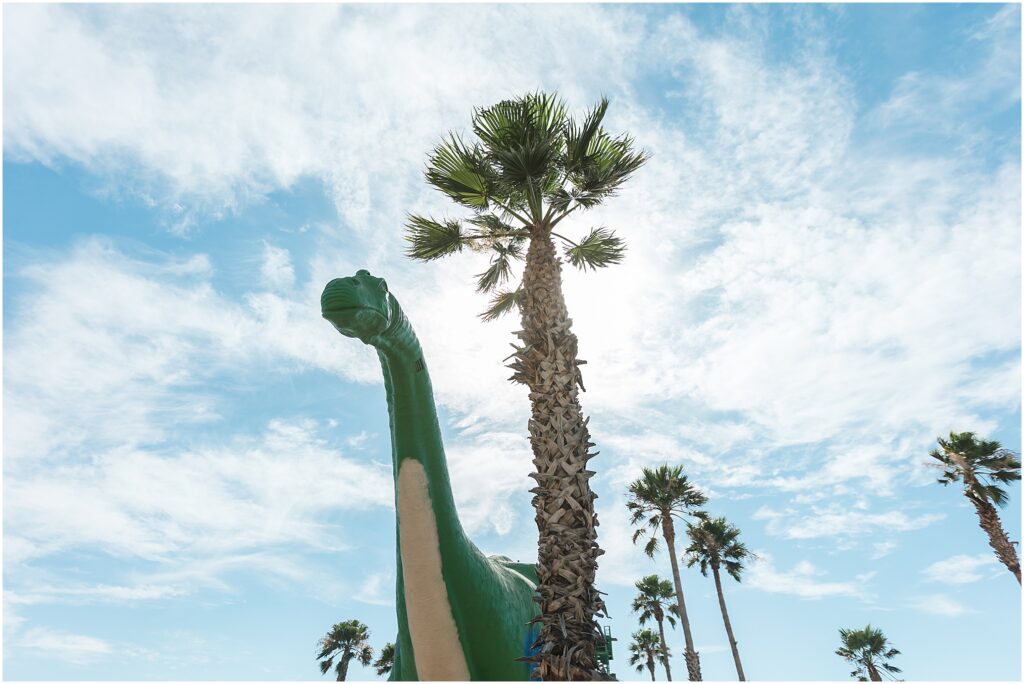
(823, 275)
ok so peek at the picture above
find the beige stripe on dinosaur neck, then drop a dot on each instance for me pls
(432, 629)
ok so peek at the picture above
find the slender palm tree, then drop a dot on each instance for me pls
(529, 167)
(656, 498)
(345, 641)
(386, 660)
(981, 465)
(714, 543)
(868, 650)
(645, 649)
(655, 602)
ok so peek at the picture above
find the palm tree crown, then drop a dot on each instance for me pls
(345, 641)
(530, 166)
(645, 649)
(714, 543)
(982, 465)
(867, 649)
(655, 600)
(660, 493)
(386, 660)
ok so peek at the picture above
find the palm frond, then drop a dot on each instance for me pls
(500, 269)
(461, 172)
(502, 303)
(579, 137)
(609, 162)
(429, 239)
(598, 249)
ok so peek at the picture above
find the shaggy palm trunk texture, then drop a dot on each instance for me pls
(989, 521)
(567, 547)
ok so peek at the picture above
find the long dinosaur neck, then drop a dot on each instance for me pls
(415, 433)
(433, 550)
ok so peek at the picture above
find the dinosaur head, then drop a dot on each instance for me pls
(359, 306)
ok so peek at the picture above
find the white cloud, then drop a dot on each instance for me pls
(623, 562)
(960, 569)
(835, 522)
(198, 515)
(882, 549)
(800, 580)
(489, 473)
(236, 122)
(940, 604)
(73, 648)
(377, 589)
(942, 100)
(277, 269)
(83, 594)
(114, 350)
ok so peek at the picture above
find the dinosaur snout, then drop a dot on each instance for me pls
(340, 293)
(356, 306)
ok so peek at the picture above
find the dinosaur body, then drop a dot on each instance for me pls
(461, 615)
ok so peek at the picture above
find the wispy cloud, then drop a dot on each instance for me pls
(73, 648)
(883, 549)
(277, 269)
(800, 580)
(836, 522)
(960, 569)
(377, 589)
(940, 604)
(196, 515)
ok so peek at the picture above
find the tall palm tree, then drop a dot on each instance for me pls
(345, 641)
(645, 648)
(654, 599)
(657, 497)
(531, 166)
(386, 660)
(714, 543)
(868, 650)
(981, 465)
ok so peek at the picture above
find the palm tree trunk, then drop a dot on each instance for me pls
(873, 674)
(664, 649)
(692, 658)
(650, 665)
(989, 521)
(567, 545)
(343, 669)
(728, 624)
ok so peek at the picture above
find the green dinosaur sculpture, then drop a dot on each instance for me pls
(461, 615)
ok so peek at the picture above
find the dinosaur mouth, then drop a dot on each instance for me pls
(350, 310)
(340, 309)
(362, 322)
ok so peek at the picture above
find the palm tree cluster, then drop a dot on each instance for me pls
(664, 494)
(656, 499)
(347, 641)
